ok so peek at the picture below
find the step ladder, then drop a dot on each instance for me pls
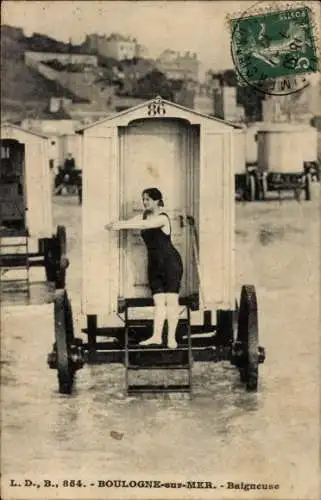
(14, 256)
(157, 357)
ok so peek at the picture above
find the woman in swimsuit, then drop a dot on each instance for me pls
(165, 268)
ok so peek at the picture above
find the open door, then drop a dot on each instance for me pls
(12, 187)
(152, 154)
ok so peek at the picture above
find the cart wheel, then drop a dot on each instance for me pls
(307, 186)
(264, 187)
(63, 336)
(248, 336)
(63, 262)
(69, 322)
(49, 259)
(251, 186)
(79, 195)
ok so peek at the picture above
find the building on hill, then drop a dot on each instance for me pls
(50, 122)
(132, 72)
(226, 106)
(204, 99)
(141, 51)
(115, 46)
(233, 102)
(54, 125)
(178, 67)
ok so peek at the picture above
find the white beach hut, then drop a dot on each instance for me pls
(190, 158)
(25, 188)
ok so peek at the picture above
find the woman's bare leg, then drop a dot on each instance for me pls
(159, 319)
(172, 307)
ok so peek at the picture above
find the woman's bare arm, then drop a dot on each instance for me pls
(136, 218)
(138, 223)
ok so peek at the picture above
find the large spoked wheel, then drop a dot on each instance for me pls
(251, 187)
(247, 335)
(55, 258)
(62, 261)
(307, 186)
(64, 337)
(79, 195)
(49, 259)
(264, 187)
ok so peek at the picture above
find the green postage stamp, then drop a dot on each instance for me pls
(274, 44)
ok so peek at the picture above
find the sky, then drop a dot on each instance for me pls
(191, 25)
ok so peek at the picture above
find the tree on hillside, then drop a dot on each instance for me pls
(152, 84)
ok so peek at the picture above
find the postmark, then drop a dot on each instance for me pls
(274, 50)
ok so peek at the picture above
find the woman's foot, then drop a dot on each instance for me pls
(171, 344)
(151, 340)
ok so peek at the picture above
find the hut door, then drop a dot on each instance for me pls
(152, 155)
(12, 185)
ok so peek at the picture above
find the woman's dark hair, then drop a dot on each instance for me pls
(155, 195)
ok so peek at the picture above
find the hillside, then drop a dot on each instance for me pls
(25, 93)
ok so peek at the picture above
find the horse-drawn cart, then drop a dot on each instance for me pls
(26, 235)
(69, 183)
(188, 156)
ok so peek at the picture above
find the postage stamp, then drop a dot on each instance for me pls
(274, 44)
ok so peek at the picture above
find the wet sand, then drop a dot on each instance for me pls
(223, 434)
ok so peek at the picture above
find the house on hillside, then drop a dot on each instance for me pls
(204, 99)
(115, 46)
(177, 67)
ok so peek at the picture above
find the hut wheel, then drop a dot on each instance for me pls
(62, 261)
(64, 338)
(264, 187)
(307, 186)
(247, 335)
(251, 187)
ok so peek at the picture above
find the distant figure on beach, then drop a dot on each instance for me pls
(69, 164)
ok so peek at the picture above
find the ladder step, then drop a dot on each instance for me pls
(13, 245)
(20, 266)
(159, 367)
(146, 388)
(14, 233)
(15, 281)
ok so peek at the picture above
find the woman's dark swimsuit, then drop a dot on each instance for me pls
(165, 267)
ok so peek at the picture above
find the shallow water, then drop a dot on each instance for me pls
(224, 433)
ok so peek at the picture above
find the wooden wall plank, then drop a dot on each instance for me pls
(100, 255)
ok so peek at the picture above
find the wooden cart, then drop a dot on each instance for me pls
(189, 157)
(27, 238)
(285, 153)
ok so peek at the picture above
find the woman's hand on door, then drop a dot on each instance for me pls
(112, 226)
